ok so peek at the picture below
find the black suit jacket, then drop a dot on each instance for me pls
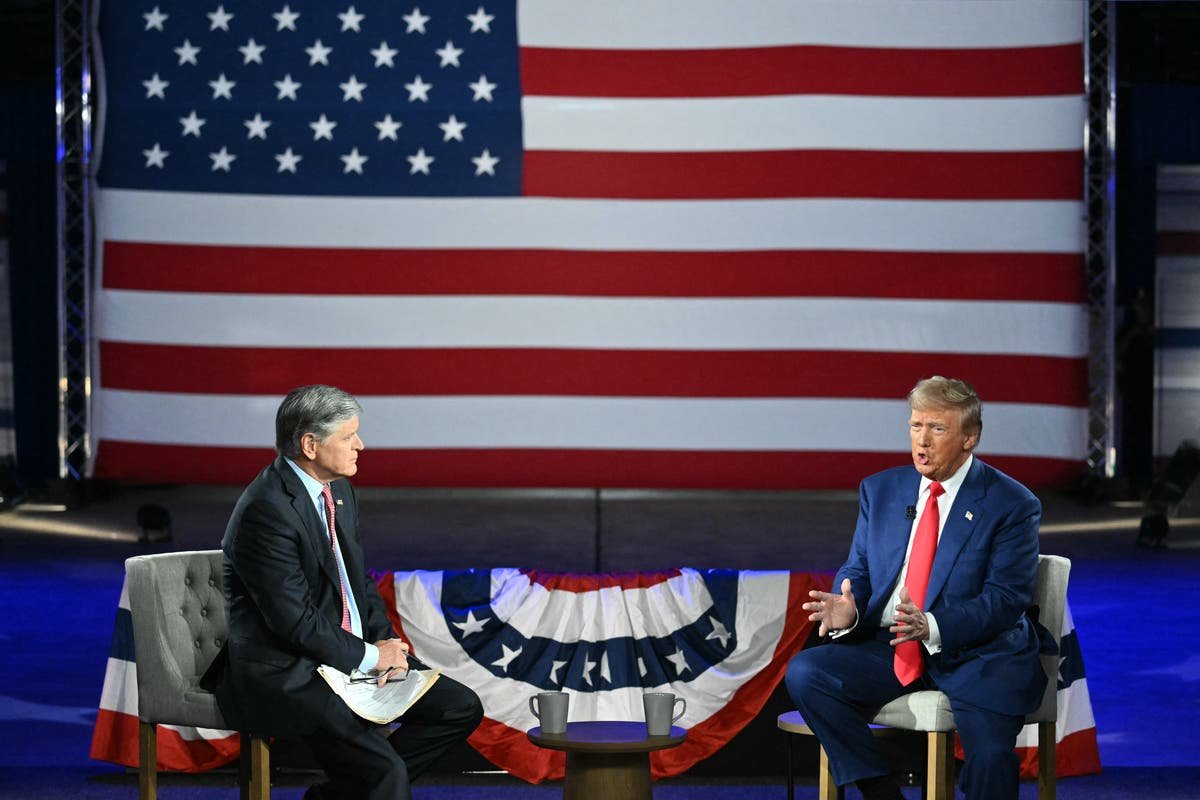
(284, 605)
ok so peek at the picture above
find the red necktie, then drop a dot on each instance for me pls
(328, 495)
(907, 660)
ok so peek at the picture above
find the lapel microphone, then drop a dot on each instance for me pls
(910, 512)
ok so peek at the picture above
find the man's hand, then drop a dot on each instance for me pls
(834, 611)
(393, 654)
(910, 624)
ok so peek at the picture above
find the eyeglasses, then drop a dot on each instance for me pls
(391, 673)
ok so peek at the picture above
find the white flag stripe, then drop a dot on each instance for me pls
(1178, 213)
(659, 610)
(1178, 292)
(636, 24)
(769, 123)
(821, 424)
(1050, 329)
(119, 692)
(1178, 369)
(1034, 226)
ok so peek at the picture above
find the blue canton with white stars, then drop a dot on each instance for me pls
(311, 97)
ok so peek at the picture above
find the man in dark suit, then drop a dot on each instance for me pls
(298, 596)
(933, 595)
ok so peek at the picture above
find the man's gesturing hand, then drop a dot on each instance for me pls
(911, 623)
(834, 611)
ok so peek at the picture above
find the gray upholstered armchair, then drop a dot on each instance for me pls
(178, 610)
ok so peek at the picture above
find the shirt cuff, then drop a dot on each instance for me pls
(370, 658)
(842, 632)
(934, 643)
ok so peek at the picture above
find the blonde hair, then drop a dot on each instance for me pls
(939, 392)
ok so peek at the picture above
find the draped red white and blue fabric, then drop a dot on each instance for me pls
(721, 639)
(575, 243)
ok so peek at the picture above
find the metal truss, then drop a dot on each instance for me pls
(73, 109)
(1099, 254)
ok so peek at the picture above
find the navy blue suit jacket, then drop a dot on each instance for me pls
(980, 586)
(284, 605)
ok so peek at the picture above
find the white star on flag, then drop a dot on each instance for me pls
(350, 19)
(156, 87)
(452, 129)
(416, 21)
(384, 55)
(420, 162)
(222, 87)
(257, 127)
(482, 89)
(287, 87)
(605, 672)
(191, 124)
(485, 163)
(287, 161)
(677, 658)
(641, 666)
(449, 54)
(555, 666)
(387, 130)
(155, 19)
(252, 51)
(187, 53)
(219, 18)
(318, 54)
(481, 20)
(352, 89)
(471, 625)
(588, 666)
(507, 658)
(323, 128)
(221, 159)
(155, 156)
(285, 18)
(719, 631)
(354, 161)
(418, 90)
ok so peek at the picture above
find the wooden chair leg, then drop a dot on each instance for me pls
(254, 768)
(147, 761)
(826, 788)
(1047, 760)
(791, 769)
(939, 765)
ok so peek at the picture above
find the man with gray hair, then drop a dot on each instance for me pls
(933, 596)
(298, 596)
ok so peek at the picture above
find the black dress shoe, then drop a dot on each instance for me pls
(321, 791)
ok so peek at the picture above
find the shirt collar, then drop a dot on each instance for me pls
(951, 484)
(311, 484)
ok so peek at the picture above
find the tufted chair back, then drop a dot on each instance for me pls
(178, 610)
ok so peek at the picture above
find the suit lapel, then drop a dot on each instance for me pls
(958, 529)
(309, 519)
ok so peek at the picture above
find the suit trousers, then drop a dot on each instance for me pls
(360, 762)
(839, 686)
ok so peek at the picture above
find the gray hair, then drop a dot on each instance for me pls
(315, 409)
(939, 392)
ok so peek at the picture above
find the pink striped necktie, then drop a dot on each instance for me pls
(907, 661)
(328, 495)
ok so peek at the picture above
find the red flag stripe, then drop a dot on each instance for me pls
(1053, 175)
(633, 469)
(1047, 277)
(1178, 243)
(803, 69)
(572, 372)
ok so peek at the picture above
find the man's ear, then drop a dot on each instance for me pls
(971, 441)
(308, 446)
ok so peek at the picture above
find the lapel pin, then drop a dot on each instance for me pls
(970, 516)
(339, 502)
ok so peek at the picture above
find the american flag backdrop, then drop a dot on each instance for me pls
(567, 243)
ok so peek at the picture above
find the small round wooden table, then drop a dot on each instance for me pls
(607, 760)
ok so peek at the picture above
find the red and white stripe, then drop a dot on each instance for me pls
(745, 232)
